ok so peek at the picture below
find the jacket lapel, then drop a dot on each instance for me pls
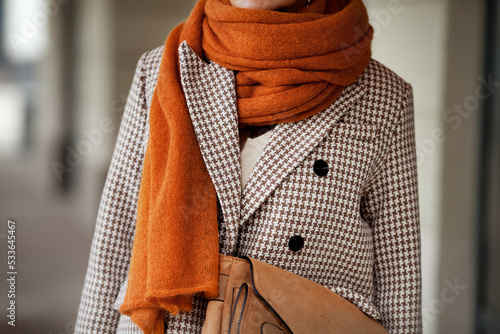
(288, 145)
(210, 95)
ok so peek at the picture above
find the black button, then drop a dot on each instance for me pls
(296, 243)
(320, 167)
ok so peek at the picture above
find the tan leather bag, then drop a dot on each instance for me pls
(255, 297)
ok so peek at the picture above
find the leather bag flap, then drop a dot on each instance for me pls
(306, 306)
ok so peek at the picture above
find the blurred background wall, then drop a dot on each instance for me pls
(65, 70)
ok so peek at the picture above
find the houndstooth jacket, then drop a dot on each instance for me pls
(354, 230)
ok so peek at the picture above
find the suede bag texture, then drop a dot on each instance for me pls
(256, 297)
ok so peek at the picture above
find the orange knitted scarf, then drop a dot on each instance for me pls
(288, 66)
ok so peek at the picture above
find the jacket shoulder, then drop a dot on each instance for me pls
(149, 67)
(387, 95)
(378, 76)
(150, 60)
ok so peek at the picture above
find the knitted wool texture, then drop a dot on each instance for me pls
(288, 66)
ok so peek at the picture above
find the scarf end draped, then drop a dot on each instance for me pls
(152, 319)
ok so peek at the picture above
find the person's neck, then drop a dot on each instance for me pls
(271, 5)
(294, 8)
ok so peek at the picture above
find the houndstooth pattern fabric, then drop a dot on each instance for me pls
(211, 101)
(359, 223)
(390, 203)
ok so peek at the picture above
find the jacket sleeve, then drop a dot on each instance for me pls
(390, 206)
(113, 236)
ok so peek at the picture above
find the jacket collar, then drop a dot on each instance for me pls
(210, 95)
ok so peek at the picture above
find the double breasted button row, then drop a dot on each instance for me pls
(296, 243)
(320, 167)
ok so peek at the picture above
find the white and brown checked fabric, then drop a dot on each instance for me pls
(359, 223)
